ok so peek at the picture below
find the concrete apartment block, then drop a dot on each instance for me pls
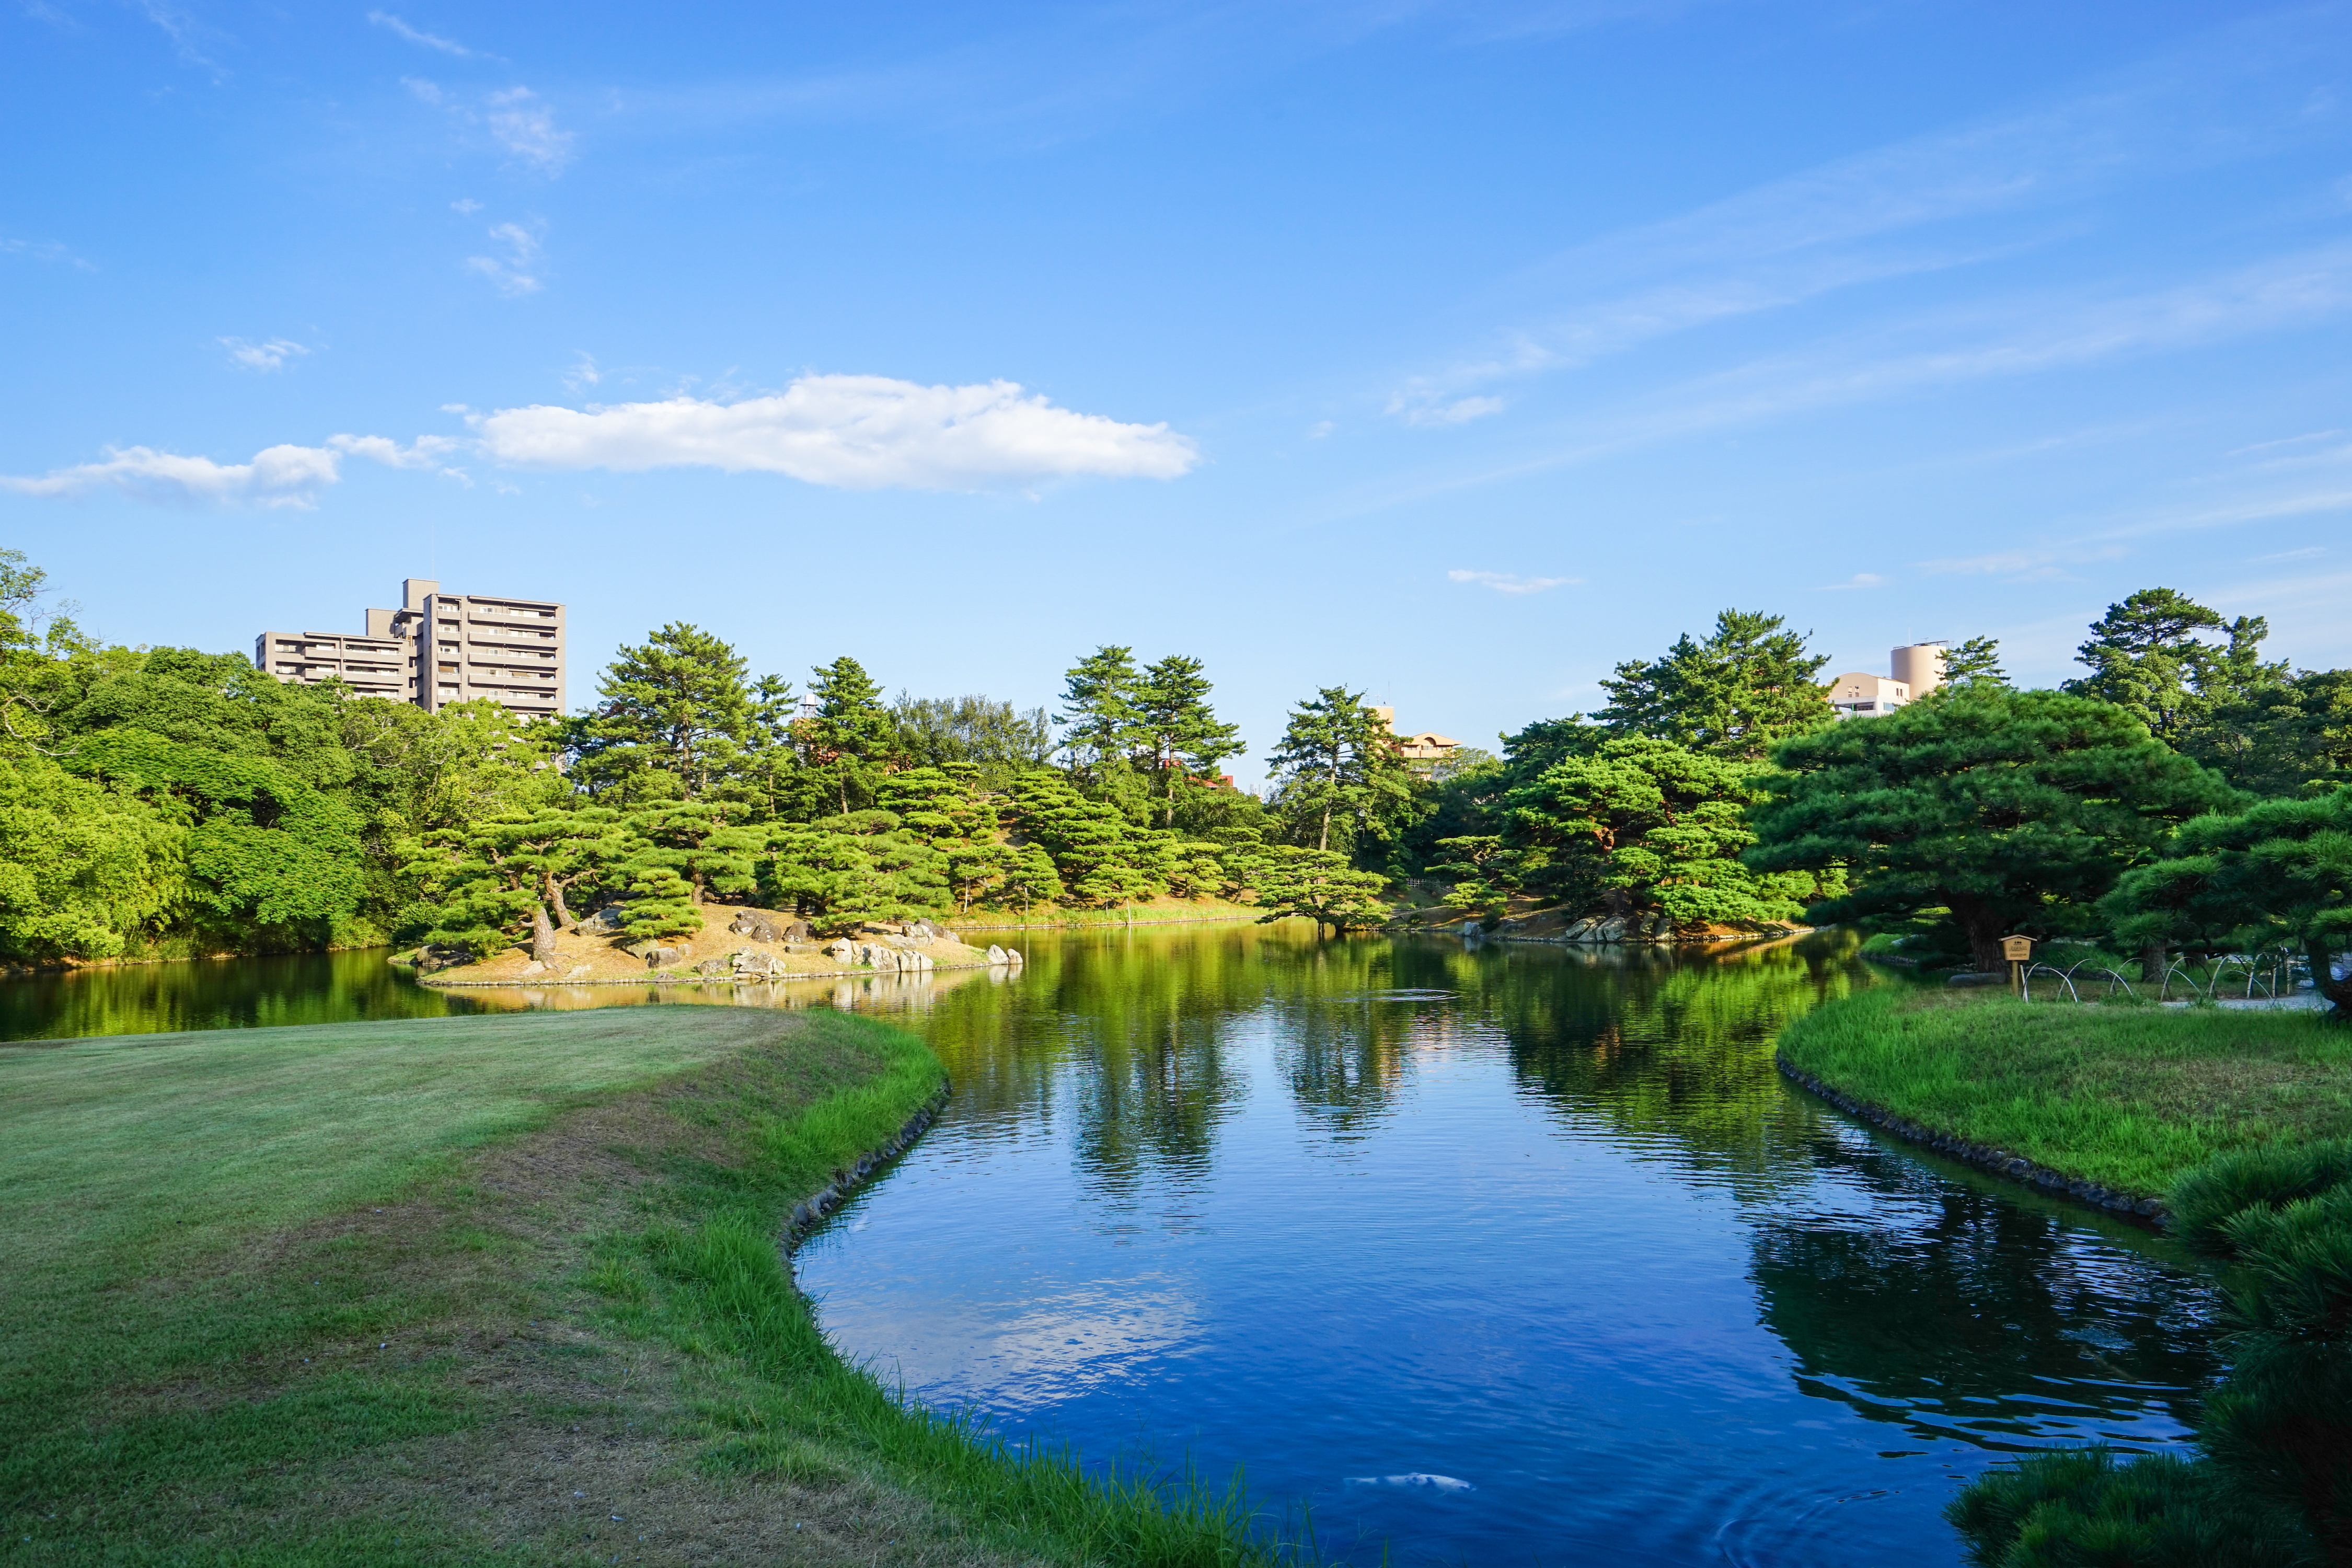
(435, 650)
(373, 666)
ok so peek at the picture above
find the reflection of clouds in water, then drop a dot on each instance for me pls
(1072, 1344)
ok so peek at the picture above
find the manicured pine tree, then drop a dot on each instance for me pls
(2144, 656)
(2015, 811)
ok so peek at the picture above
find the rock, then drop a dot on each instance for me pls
(578, 970)
(610, 917)
(1013, 956)
(1977, 977)
(841, 949)
(997, 954)
(663, 957)
(712, 967)
(534, 967)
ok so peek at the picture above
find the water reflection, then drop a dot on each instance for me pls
(1544, 1221)
(216, 994)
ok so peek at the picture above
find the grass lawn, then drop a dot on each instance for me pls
(494, 1288)
(2129, 1097)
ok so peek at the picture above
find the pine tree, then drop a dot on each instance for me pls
(1177, 728)
(852, 737)
(2145, 657)
(1336, 759)
(673, 719)
(1750, 686)
(1099, 718)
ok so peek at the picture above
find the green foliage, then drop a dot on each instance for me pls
(673, 718)
(852, 737)
(2269, 1176)
(1750, 686)
(2279, 872)
(1319, 884)
(1969, 662)
(999, 742)
(2015, 811)
(2282, 737)
(1178, 732)
(1099, 717)
(1651, 824)
(2145, 657)
(2080, 1509)
(1337, 765)
(83, 867)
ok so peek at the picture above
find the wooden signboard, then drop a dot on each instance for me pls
(2016, 949)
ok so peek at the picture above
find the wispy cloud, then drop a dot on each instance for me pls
(1953, 199)
(1510, 582)
(857, 432)
(583, 372)
(526, 128)
(1415, 407)
(274, 355)
(421, 39)
(517, 272)
(1859, 579)
(2310, 552)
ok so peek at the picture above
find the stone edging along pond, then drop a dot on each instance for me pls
(818, 1206)
(1998, 1162)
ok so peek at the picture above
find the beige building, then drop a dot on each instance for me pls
(435, 650)
(1429, 746)
(1918, 668)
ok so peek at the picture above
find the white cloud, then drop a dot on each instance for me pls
(516, 272)
(1507, 583)
(465, 204)
(1859, 579)
(282, 476)
(858, 432)
(583, 372)
(385, 19)
(424, 452)
(526, 128)
(425, 91)
(1417, 409)
(277, 476)
(2308, 553)
(271, 355)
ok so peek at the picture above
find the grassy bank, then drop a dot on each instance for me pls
(498, 1288)
(1153, 911)
(2126, 1097)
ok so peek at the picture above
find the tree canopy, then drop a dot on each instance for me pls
(2014, 811)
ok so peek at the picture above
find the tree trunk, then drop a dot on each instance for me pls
(555, 898)
(542, 936)
(1984, 945)
(2322, 960)
(2153, 961)
(1325, 841)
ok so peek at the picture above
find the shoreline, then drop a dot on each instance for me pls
(2140, 1208)
(536, 982)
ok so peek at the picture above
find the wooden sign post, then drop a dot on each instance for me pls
(2017, 950)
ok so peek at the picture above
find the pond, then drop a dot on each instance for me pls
(1502, 1255)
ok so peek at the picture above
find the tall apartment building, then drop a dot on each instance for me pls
(435, 650)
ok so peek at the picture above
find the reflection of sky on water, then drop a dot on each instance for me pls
(1549, 1226)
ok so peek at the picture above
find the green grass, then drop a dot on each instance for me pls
(361, 1294)
(2129, 1097)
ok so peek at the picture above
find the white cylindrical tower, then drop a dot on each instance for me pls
(1919, 667)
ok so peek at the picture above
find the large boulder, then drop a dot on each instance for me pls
(659, 957)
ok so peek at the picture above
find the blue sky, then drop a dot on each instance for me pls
(1450, 352)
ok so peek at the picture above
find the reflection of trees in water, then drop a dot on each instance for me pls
(1655, 1043)
(1125, 1033)
(1954, 1311)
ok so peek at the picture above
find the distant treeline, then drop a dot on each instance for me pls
(163, 801)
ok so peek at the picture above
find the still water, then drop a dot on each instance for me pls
(1514, 1255)
(1509, 1256)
